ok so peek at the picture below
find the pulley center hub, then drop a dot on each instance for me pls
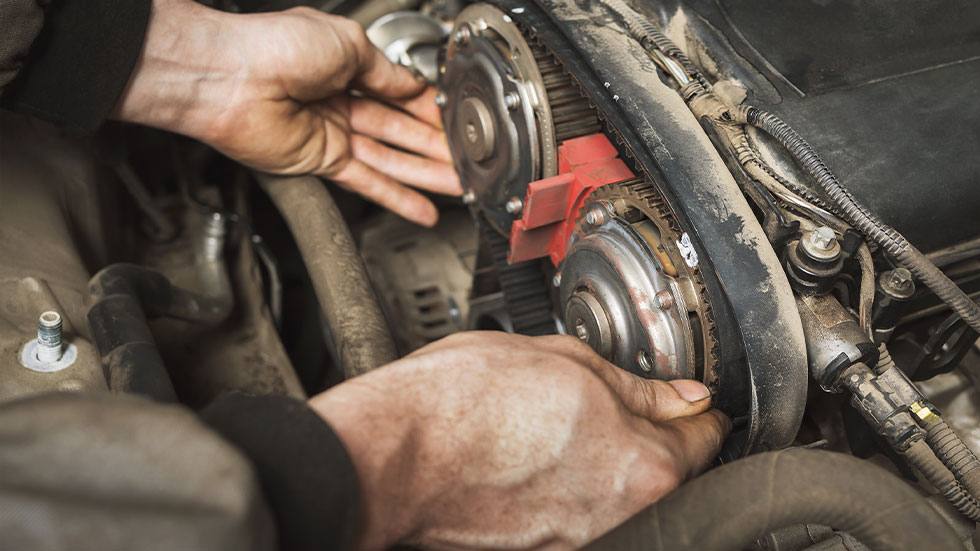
(478, 129)
(616, 298)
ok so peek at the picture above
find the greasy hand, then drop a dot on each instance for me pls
(495, 441)
(296, 92)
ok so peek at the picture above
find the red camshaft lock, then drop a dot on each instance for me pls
(552, 204)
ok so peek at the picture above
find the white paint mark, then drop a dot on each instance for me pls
(687, 250)
(507, 18)
(518, 11)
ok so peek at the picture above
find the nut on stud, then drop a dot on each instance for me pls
(512, 100)
(469, 197)
(441, 99)
(663, 300)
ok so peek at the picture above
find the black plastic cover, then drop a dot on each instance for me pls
(886, 92)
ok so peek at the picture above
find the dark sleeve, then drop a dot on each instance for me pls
(80, 63)
(309, 480)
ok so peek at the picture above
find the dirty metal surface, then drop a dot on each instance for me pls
(761, 340)
(62, 218)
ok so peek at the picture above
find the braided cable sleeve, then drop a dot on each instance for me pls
(859, 216)
(921, 456)
(954, 454)
(648, 34)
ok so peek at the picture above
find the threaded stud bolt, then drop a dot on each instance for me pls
(49, 337)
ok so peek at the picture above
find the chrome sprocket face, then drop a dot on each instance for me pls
(507, 106)
(628, 290)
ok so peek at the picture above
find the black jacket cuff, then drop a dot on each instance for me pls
(307, 476)
(80, 64)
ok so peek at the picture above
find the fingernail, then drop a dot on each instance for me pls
(692, 391)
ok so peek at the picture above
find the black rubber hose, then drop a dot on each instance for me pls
(156, 295)
(734, 505)
(349, 304)
(123, 297)
(859, 216)
(922, 457)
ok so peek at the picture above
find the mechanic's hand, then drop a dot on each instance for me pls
(495, 441)
(296, 92)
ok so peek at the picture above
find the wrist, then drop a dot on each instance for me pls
(186, 70)
(380, 434)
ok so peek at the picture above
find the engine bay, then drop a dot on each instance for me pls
(648, 177)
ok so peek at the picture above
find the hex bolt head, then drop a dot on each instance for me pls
(462, 35)
(581, 330)
(900, 278)
(556, 280)
(514, 206)
(469, 197)
(823, 238)
(897, 283)
(821, 244)
(663, 300)
(512, 100)
(595, 216)
(644, 361)
(49, 337)
(441, 99)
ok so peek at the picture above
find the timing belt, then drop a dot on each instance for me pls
(523, 286)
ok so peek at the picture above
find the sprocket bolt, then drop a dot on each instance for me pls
(514, 206)
(595, 217)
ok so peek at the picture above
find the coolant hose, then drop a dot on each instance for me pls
(123, 297)
(922, 457)
(732, 506)
(860, 217)
(349, 304)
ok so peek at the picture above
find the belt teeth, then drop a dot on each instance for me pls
(571, 112)
(525, 292)
(573, 117)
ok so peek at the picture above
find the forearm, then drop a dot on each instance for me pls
(186, 70)
(378, 431)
